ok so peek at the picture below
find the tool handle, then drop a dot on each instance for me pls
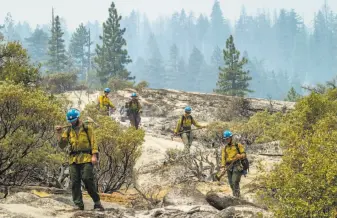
(190, 130)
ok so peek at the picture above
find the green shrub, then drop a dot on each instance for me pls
(116, 84)
(141, 86)
(119, 150)
(60, 82)
(15, 65)
(28, 117)
(304, 184)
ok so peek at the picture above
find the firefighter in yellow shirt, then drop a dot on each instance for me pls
(83, 155)
(185, 124)
(104, 102)
(230, 154)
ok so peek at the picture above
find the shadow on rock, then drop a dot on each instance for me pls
(220, 201)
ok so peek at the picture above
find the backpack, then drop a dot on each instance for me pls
(85, 128)
(128, 109)
(182, 120)
(244, 162)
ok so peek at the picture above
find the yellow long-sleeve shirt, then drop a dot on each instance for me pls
(105, 103)
(78, 140)
(229, 152)
(187, 123)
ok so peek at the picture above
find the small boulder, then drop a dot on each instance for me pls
(220, 201)
(49, 203)
(184, 211)
(20, 198)
(243, 211)
(184, 195)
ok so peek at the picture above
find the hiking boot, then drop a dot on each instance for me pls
(98, 207)
(77, 207)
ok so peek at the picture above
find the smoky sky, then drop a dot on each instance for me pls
(77, 11)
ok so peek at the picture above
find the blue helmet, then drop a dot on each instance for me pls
(227, 134)
(73, 115)
(134, 94)
(107, 90)
(188, 109)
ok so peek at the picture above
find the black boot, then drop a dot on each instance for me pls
(98, 207)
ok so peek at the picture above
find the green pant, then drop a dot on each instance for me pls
(85, 173)
(234, 177)
(187, 140)
(135, 119)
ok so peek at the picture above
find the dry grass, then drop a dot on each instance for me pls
(129, 197)
(126, 198)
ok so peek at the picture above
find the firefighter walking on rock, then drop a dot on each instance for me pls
(184, 127)
(83, 156)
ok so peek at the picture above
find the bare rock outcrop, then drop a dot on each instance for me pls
(203, 211)
(184, 195)
(162, 107)
(243, 211)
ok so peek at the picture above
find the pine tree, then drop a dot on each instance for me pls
(242, 28)
(111, 56)
(286, 30)
(95, 31)
(154, 67)
(58, 60)
(66, 33)
(1, 35)
(132, 33)
(301, 51)
(9, 32)
(139, 69)
(219, 26)
(37, 45)
(233, 79)
(202, 27)
(173, 73)
(217, 59)
(174, 27)
(191, 31)
(80, 47)
(283, 82)
(258, 72)
(324, 49)
(24, 31)
(292, 95)
(195, 66)
(183, 34)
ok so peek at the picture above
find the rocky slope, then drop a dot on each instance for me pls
(31, 205)
(162, 107)
(161, 110)
(192, 200)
